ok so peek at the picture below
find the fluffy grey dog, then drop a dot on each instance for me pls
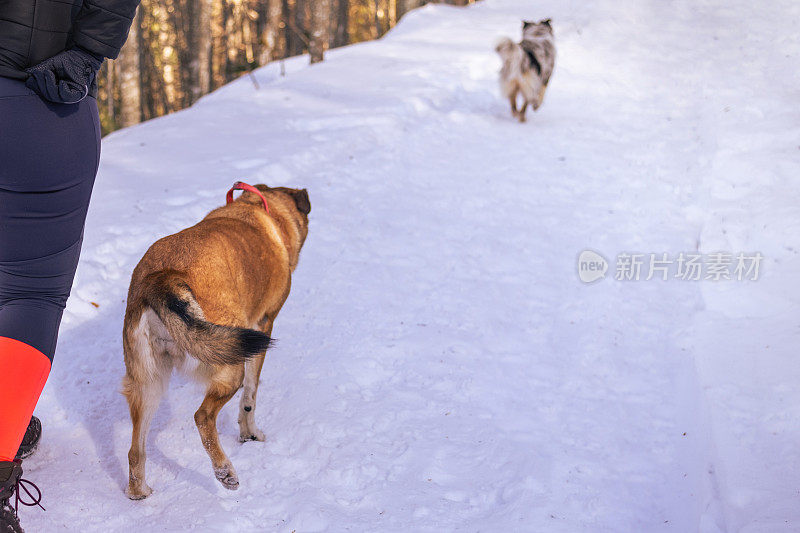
(527, 65)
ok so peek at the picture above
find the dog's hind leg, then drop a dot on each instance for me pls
(513, 101)
(224, 384)
(247, 407)
(539, 98)
(143, 400)
(148, 371)
(521, 114)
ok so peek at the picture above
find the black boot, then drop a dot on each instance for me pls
(9, 523)
(10, 471)
(31, 439)
(10, 484)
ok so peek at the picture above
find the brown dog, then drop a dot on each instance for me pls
(210, 292)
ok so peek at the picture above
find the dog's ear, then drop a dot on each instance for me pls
(526, 23)
(301, 200)
(547, 22)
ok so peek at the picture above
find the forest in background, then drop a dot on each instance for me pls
(179, 50)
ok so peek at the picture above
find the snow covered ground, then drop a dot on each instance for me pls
(440, 366)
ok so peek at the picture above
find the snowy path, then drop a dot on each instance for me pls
(439, 365)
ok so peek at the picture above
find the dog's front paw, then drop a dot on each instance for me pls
(255, 434)
(227, 476)
(138, 493)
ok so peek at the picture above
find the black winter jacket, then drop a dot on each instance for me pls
(34, 30)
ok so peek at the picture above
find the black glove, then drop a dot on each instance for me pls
(65, 78)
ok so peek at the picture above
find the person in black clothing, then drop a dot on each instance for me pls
(50, 52)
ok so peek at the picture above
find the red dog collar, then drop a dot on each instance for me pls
(242, 186)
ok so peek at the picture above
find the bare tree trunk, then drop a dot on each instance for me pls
(341, 33)
(391, 15)
(375, 6)
(261, 47)
(143, 48)
(320, 20)
(404, 6)
(198, 40)
(128, 74)
(219, 45)
(270, 37)
(296, 22)
(286, 18)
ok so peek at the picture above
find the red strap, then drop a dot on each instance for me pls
(242, 186)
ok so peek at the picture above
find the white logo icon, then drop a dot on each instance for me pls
(591, 266)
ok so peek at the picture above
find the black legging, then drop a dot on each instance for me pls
(48, 160)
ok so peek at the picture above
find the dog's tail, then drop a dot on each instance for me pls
(171, 298)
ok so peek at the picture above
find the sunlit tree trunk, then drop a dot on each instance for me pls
(270, 39)
(198, 41)
(128, 76)
(320, 19)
